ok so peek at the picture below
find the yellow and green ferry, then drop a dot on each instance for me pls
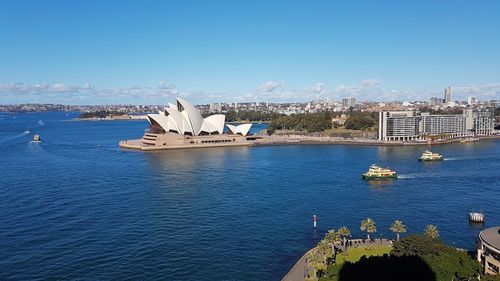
(376, 172)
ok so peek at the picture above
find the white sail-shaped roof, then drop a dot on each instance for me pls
(160, 119)
(184, 118)
(177, 120)
(216, 122)
(242, 129)
(192, 115)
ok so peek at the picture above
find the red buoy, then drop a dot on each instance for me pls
(314, 221)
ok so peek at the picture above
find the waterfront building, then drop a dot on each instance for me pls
(398, 126)
(483, 123)
(348, 102)
(410, 125)
(488, 250)
(181, 125)
(452, 125)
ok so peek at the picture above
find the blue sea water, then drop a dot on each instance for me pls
(78, 207)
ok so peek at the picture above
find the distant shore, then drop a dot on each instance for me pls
(114, 118)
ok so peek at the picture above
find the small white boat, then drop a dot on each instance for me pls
(36, 139)
(476, 217)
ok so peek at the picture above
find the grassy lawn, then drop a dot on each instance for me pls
(354, 254)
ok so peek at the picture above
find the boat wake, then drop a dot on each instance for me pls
(407, 176)
(20, 135)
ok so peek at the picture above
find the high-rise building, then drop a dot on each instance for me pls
(453, 125)
(348, 102)
(215, 107)
(408, 125)
(447, 95)
(398, 126)
(435, 101)
(471, 100)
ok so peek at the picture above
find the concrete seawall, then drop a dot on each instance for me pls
(299, 139)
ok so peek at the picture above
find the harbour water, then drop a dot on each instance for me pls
(76, 206)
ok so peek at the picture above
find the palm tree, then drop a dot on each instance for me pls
(313, 259)
(368, 225)
(431, 231)
(331, 236)
(398, 227)
(344, 232)
(324, 249)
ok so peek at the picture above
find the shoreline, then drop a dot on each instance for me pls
(306, 140)
(300, 268)
(135, 144)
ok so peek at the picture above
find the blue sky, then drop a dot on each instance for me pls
(147, 52)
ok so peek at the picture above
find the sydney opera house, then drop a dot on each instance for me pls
(181, 125)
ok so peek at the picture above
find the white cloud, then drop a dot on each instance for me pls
(273, 91)
(370, 83)
(87, 86)
(165, 85)
(271, 86)
(318, 88)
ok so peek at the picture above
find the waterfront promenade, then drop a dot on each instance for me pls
(306, 139)
(302, 270)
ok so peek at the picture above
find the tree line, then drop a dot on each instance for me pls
(416, 257)
(100, 114)
(248, 115)
(321, 121)
(307, 122)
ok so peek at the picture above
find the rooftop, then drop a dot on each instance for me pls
(491, 236)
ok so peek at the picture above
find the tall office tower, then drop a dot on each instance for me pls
(447, 95)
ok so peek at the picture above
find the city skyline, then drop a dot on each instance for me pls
(92, 53)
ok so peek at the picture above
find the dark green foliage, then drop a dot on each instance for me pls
(100, 114)
(310, 122)
(359, 122)
(387, 268)
(415, 257)
(233, 116)
(446, 262)
(418, 245)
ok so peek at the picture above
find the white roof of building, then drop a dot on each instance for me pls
(184, 118)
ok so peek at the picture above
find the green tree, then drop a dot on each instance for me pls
(431, 231)
(324, 249)
(398, 227)
(314, 260)
(344, 232)
(331, 236)
(359, 122)
(368, 225)
(447, 263)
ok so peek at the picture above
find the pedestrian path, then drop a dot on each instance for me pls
(302, 270)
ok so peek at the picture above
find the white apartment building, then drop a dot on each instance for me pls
(410, 125)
